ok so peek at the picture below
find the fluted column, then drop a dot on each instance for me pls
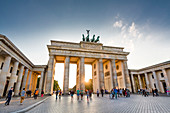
(24, 79)
(123, 75)
(82, 74)
(66, 75)
(3, 74)
(29, 80)
(13, 76)
(166, 77)
(133, 83)
(41, 82)
(140, 83)
(18, 83)
(114, 73)
(50, 75)
(127, 78)
(101, 74)
(147, 81)
(156, 80)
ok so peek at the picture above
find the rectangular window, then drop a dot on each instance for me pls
(2, 65)
(162, 75)
(11, 69)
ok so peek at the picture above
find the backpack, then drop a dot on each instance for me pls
(36, 93)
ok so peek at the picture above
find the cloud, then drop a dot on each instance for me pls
(118, 24)
(133, 31)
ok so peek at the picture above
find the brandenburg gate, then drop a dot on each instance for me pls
(109, 65)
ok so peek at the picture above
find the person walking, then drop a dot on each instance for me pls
(156, 91)
(90, 94)
(102, 92)
(60, 93)
(87, 95)
(42, 93)
(78, 93)
(115, 91)
(112, 91)
(36, 94)
(153, 92)
(81, 94)
(56, 94)
(120, 91)
(9, 96)
(97, 93)
(22, 96)
(72, 93)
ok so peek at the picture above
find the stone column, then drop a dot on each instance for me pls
(140, 83)
(147, 81)
(166, 77)
(101, 74)
(133, 83)
(66, 75)
(41, 82)
(127, 78)
(13, 76)
(3, 74)
(114, 73)
(18, 84)
(156, 80)
(29, 80)
(82, 74)
(123, 75)
(45, 79)
(50, 75)
(24, 79)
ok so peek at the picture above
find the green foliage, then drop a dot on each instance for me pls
(89, 85)
(56, 86)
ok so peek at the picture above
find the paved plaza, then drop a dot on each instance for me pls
(134, 104)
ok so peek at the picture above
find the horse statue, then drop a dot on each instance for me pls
(87, 38)
(97, 39)
(83, 37)
(93, 39)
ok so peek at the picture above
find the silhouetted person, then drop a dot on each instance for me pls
(9, 96)
(102, 92)
(153, 92)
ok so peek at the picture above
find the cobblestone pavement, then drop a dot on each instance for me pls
(15, 104)
(134, 104)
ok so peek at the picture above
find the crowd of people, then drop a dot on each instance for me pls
(145, 92)
(22, 95)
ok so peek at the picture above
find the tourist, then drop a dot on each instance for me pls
(138, 91)
(102, 92)
(156, 91)
(9, 96)
(124, 92)
(22, 95)
(78, 93)
(87, 95)
(120, 91)
(112, 92)
(36, 94)
(90, 94)
(42, 93)
(60, 93)
(56, 93)
(153, 92)
(143, 92)
(81, 94)
(115, 92)
(72, 93)
(97, 93)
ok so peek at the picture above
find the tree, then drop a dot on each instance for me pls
(89, 85)
(56, 86)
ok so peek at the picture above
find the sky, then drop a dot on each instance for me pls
(142, 27)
